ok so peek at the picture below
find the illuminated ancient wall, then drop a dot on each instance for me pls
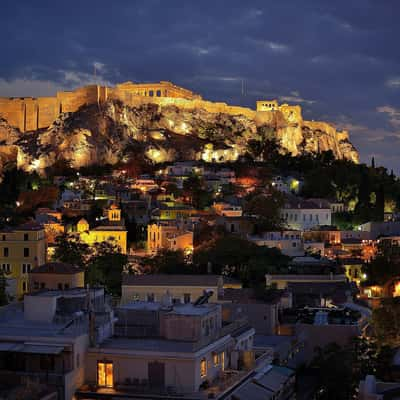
(30, 113)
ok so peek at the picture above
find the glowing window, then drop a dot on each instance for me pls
(216, 359)
(105, 374)
(203, 368)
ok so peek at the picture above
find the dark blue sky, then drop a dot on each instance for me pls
(339, 59)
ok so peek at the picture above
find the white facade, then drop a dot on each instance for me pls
(306, 218)
(289, 243)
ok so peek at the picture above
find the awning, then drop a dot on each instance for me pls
(10, 346)
(40, 349)
(31, 348)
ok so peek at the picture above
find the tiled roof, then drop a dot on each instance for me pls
(57, 268)
(171, 280)
(29, 226)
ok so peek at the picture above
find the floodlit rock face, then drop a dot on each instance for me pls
(165, 129)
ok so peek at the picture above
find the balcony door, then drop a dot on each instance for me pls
(105, 374)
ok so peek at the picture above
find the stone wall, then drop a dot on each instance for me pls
(29, 113)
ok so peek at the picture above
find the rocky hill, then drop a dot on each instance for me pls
(113, 131)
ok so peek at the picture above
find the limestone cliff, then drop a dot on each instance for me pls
(166, 131)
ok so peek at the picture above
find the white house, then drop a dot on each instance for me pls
(306, 214)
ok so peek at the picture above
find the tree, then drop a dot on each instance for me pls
(240, 258)
(166, 262)
(373, 162)
(193, 188)
(70, 249)
(340, 369)
(333, 367)
(266, 208)
(386, 321)
(106, 266)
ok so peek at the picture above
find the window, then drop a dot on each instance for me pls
(24, 286)
(77, 360)
(42, 285)
(26, 268)
(186, 298)
(150, 297)
(158, 93)
(66, 286)
(4, 238)
(26, 236)
(26, 251)
(294, 244)
(6, 252)
(105, 374)
(203, 368)
(215, 359)
(59, 286)
(6, 268)
(36, 285)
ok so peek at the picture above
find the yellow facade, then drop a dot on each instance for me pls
(113, 232)
(21, 250)
(168, 236)
(354, 272)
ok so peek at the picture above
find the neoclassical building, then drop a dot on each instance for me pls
(112, 231)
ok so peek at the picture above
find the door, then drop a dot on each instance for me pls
(156, 374)
(105, 374)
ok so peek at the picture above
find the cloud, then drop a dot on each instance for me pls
(64, 80)
(393, 82)
(77, 78)
(21, 87)
(393, 114)
(277, 47)
(295, 97)
(100, 67)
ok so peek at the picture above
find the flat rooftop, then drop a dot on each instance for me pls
(180, 309)
(141, 344)
(13, 324)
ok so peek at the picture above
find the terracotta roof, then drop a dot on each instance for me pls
(310, 204)
(57, 268)
(171, 280)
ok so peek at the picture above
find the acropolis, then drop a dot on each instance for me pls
(30, 113)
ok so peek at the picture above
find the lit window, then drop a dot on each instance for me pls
(215, 359)
(105, 374)
(203, 368)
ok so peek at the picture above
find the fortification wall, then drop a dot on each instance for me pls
(31, 113)
(12, 110)
(186, 104)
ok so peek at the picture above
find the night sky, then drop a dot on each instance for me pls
(339, 59)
